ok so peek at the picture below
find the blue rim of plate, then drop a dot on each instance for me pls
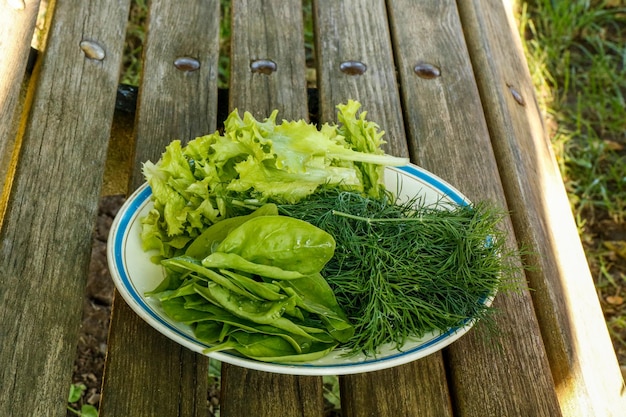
(118, 237)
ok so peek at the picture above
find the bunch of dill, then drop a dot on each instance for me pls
(402, 270)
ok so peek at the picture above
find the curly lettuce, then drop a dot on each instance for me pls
(261, 161)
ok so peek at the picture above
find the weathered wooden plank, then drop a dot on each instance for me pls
(178, 100)
(404, 388)
(358, 31)
(449, 136)
(349, 32)
(17, 24)
(277, 37)
(267, 59)
(260, 394)
(45, 241)
(583, 362)
(147, 374)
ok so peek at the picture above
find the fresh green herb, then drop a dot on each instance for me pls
(401, 271)
(258, 290)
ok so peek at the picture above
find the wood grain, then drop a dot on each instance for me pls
(173, 104)
(271, 31)
(449, 136)
(16, 32)
(584, 366)
(351, 30)
(358, 31)
(277, 37)
(168, 379)
(416, 389)
(45, 243)
(252, 393)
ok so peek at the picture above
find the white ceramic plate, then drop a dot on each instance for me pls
(134, 274)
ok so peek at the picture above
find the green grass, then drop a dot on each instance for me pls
(577, 52)
(577, 55)
(133, 47)
(224, 56)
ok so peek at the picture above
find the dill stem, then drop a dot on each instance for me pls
(374, 220)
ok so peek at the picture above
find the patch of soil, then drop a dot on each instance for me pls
(92, 341)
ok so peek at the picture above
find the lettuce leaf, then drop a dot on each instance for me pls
(193, 186)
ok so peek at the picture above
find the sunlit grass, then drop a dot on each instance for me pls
(577, 56)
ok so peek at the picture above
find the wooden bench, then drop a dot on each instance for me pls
(448, 83)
